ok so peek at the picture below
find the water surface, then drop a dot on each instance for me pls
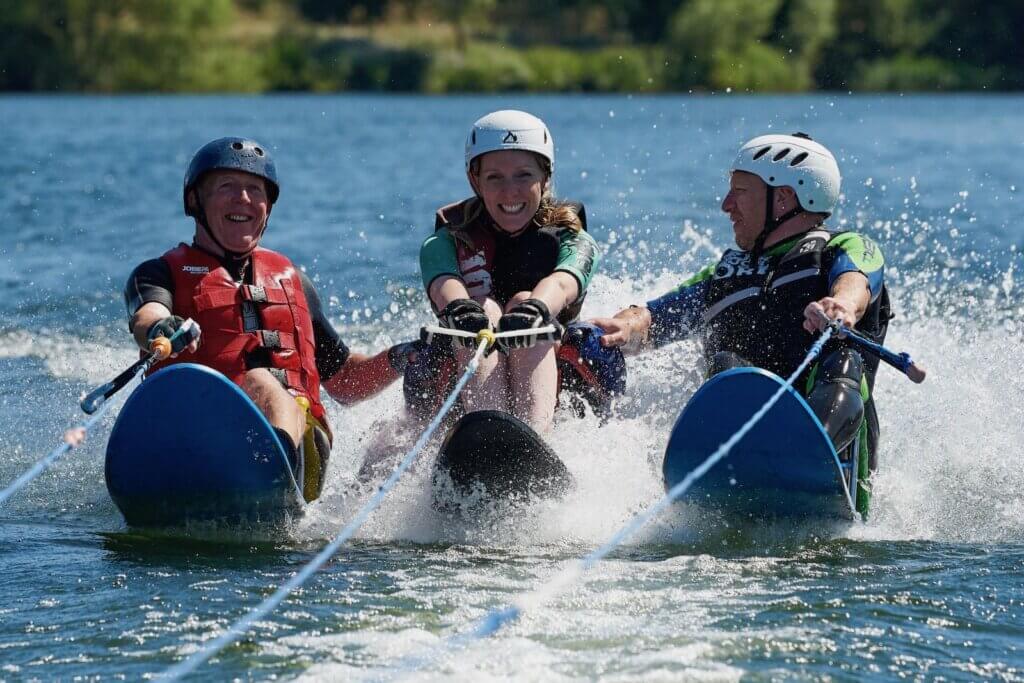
(928, 589)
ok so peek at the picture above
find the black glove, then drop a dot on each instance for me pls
(400, 355)
(530, 314)
(166, 327)
(466, 315)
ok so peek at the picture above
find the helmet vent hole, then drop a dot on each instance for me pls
(800, 182)
(236, 145)
(798, 159)
(781, 155)
(259, 152)
(771, 179)
(474, 137)
(761, 152)
(810, 201)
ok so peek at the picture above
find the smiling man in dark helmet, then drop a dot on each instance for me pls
(262, 322)
(757, 304)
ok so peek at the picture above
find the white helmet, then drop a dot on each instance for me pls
(509, 129)
(797, 161)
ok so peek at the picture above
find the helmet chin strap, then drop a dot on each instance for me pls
(771, 223)
(234, 255)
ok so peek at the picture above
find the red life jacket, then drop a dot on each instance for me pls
(206, 292)
(476, 260)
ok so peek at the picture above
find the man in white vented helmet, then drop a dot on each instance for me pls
(758, 303)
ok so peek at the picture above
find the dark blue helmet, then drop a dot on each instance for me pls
(231, 154)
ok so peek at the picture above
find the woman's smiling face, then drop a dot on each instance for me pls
(511, 184)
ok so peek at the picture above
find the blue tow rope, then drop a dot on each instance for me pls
(238, 629)
(55, 455)
(496, 619)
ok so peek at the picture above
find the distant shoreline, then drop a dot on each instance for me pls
(523, 46)
(16, 94)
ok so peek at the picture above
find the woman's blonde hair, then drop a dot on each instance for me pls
(551, 212)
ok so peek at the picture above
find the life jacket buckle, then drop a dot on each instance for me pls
(255, 294)
(270, 339)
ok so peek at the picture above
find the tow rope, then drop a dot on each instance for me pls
(485, 338)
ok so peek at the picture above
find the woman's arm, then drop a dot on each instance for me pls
(446, 289)
(557, 291)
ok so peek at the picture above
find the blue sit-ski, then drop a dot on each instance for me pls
(190, 445)
(785, 466)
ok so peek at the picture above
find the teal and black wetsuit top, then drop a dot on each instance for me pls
(494, 264)
(757, 313)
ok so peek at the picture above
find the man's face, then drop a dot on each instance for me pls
(236, 208)
(745, 204)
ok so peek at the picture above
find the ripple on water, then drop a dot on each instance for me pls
(928, 588)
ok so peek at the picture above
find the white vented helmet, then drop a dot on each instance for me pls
(509, 129)
(796, 161)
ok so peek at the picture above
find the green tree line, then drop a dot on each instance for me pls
(525, 45)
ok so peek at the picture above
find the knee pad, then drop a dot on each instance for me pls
(843, 365)
(835, 397)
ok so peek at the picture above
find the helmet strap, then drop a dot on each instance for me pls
(771, 223)
(200, 217)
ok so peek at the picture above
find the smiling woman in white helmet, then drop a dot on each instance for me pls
(756, 304)
(510, 257)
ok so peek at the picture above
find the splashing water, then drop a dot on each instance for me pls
(927, 587)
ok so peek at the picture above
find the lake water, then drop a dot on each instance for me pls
(930, 588)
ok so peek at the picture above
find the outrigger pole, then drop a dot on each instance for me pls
(901, 361)
(159, 349)
(94, 403)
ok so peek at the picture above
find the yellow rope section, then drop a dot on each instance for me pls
(486, 334)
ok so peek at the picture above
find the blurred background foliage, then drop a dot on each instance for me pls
(443, 46)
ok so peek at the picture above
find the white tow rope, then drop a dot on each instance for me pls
(238, 629)
(495, 619)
